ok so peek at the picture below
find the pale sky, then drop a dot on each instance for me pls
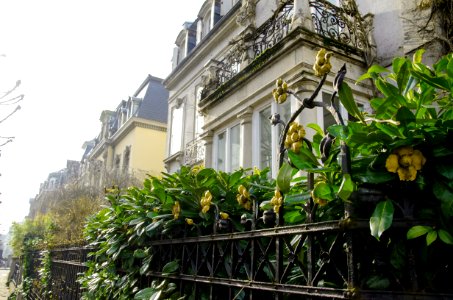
(75, 59)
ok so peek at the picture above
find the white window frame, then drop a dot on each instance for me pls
(228, 153)
(275, 135)
(171, 152)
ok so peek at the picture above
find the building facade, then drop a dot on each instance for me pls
(226, 62)
(44, 200)
(131, 143)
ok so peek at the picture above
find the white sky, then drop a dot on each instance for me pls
(75, 59)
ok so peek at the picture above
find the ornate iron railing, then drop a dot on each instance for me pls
(194, 152)
(248, 48)
(343, 24)
(274, 30)
(67, 265)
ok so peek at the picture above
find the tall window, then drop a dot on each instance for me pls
(221, 151)
(235, 147)
(267, 136)
(228, 149)
(176, 129)
(126, 159)
(199, 121)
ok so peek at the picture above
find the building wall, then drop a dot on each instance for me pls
(148, 151)
(242, 105)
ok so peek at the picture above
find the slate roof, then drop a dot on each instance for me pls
(155, 102)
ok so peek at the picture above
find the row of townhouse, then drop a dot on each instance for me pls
(130, 145)
(226, 62)
(217, 100)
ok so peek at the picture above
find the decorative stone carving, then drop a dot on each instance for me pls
(246, 15)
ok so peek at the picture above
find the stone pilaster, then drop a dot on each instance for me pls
(208, 137)
(302, 15)
(246, 132)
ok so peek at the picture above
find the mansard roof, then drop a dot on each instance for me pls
(155, 102)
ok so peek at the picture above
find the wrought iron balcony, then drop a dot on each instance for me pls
(342, 25)
(194, 152)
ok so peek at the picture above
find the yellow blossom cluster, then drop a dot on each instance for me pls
(189, 221)
(277, 201)
(176, 210)
(206, 201)
(224, 216)
(294, 137)
(280, 92)
(243, 197)
(322, 64)
(406, 162)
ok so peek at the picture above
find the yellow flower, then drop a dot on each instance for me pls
(322, 64)
(405, 150)
(176, 210)
(206, 199)
(189, 221)
(196, 169)
(418, 160)
(392, 163)
(156, 209)
(277, 201)
(406, 162)
(407, 174)
(243, 197)
(205, 209)
(223, 215)
(294, 137)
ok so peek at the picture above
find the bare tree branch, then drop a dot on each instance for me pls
(17, 108)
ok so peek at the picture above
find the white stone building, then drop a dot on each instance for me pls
(226, 62)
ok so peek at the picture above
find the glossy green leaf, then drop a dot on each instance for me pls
(391, 130)
(347, 99)
(450, 68)
(402, 74)
(386, 88)
(144, 267)
(284, 177)
(346, 188)
(372, 72)
(437, 82)
(405, 116)
(445, 169)
(378, 282)
(445, 236)
(382, 218)
(316, 128)
(416, 231)
(431, 237)
(339, 131)
(144, 294)
(139, 253)
(305, 159)
(418, 56)
(156, 295)
(324, 191)
(170, 267)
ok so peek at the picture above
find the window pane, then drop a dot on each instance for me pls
(221, 155)
(199, 120)
(265, 139)
(235, 147)
(285, 111)
(176, 130)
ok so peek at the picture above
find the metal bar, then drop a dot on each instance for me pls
(265, 286)
(272, 232)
